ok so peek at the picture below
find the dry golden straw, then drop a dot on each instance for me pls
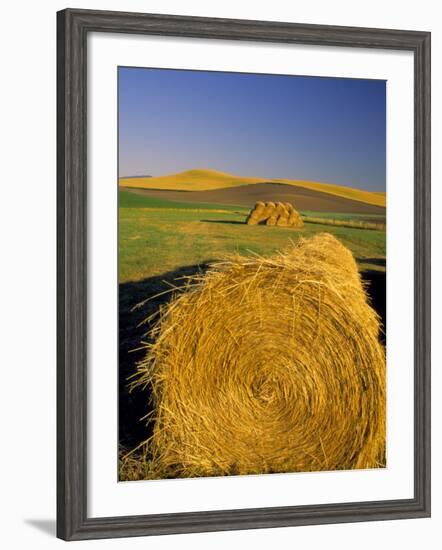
(266, 365)
(270, 213)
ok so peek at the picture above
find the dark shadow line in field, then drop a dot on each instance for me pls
(373, 261)
(232, 222)
(134, 405)
(377, 294)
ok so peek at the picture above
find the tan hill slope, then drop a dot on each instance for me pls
(210, 180)
(351, 193)
(190, 180)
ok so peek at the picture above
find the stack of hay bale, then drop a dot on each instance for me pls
(282, 214)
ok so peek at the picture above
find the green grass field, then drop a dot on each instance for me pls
(344, 216)
(130, 199)
(157, 236)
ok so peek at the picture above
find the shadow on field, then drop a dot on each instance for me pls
(133, 406)
(376, 289)
(373, 261)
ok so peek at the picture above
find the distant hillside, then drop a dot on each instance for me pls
(140, 176)
(248, 195)
(191, 180)
(210, 180)
(369, 197)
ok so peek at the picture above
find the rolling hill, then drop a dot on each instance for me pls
(248, 195)
(368, 197)
(190, 180)
(202, 180)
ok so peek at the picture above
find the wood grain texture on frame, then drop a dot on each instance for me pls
(72, 29)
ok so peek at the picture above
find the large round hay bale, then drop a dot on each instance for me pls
(268, 365)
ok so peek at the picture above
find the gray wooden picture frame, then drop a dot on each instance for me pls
(73, 27)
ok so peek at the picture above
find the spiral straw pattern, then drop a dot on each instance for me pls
(268, 365)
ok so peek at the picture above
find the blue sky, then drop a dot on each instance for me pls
(270, 126)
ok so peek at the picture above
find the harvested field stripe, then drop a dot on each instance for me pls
(356, 224)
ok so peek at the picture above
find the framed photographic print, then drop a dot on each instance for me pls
(243, 274)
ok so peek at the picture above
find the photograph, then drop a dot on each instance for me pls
(251, 273)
